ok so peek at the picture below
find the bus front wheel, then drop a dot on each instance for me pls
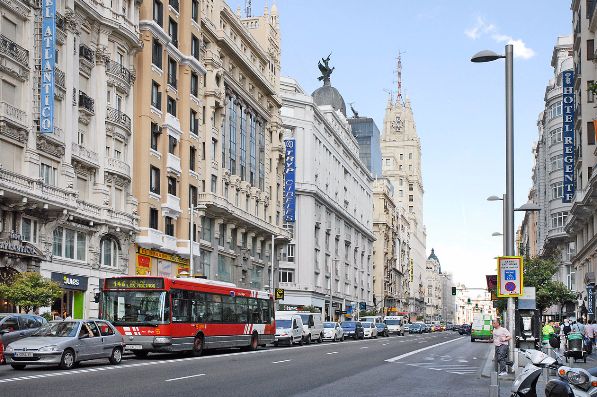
(197, 346)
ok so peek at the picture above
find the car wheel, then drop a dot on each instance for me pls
(308, 341)
(18, 366)
(68, 359)
(355, 337)
(334, 339)
(472, 339)
(140, 354)
(116, 356)
(342, 339)
(276, 344)
(197, 346)
(301, 342)
(320, 340)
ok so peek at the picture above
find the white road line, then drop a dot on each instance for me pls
(394, 359)
(365, 347)
(332, 353)
(184, 377)
(281, 361)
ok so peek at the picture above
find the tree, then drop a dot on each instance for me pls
(538, 273)
(30, 291)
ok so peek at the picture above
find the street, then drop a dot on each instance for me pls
(414, 365)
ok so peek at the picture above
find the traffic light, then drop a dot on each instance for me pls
(468, 301)
(453, 290)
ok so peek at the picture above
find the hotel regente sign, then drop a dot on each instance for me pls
(568, 133)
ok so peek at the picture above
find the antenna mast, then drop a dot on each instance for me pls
(399, 78)
(248, 8)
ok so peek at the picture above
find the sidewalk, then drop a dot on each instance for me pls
(505, 382)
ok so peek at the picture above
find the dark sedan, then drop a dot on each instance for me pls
(15, 326)
(353, 329)
(382, 329)
(465, 329)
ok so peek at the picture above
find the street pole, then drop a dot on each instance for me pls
(509, 203)
(271, 281)
(331, 304)
(192, 240)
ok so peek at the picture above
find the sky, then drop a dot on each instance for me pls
(459, 106)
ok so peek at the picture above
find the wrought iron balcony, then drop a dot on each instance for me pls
(118, 70)
(117, 117)
(14, 51)
(86, 53)
(86, 102)
(59, 78)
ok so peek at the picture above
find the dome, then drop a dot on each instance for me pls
(328, 95)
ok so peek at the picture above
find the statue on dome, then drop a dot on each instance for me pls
(324, 68)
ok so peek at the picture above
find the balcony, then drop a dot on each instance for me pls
(59, 79)
(85, 155)
(12, 115)
(173, 125)
(60, 28)
(86, 103)
(556, 232)
(150, 238)
(119, 167)
(184, 251)
(117, 117)
(172, 206)
(14, 58)
(86, 54)
(173, 164)
(170, 243)
(120, 74)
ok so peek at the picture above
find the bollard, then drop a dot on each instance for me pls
(494, 387)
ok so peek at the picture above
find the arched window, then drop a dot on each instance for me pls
(109, 254)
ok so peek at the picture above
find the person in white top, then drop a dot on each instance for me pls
(501, 336)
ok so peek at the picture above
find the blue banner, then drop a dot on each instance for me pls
(289, 175)
(590, 300)
(568, 133)
(48, 65)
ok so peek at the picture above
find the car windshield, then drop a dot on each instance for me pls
(61, 329)
(329, 325)
(366, 324)
(379, 325)
(136, 307)
(283, 323)
(393, 322)
(348, 324)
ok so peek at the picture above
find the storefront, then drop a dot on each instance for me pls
(150, 262)
(72, 300)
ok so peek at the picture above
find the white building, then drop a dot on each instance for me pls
(331, 251)
(66, 208)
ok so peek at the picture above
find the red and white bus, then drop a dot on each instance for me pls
(161, 314)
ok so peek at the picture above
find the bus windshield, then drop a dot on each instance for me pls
(136, 307)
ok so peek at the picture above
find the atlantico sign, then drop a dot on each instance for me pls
(48, 64)
(568, 134)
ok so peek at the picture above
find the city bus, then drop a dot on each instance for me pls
(162, 314)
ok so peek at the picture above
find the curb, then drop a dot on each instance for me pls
(488, 366)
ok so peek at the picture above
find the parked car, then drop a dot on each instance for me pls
(416, 328)
(370, 331)
(289, 329)
(382, 329)
(464, 329)
(333, 331)
(312, 325)
(429, 327)
(372, 319)
(66, 343)
(15, 326)
(437, 328)
(353, 329)
(456, 328)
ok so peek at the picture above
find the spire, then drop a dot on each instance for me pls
(399, 78)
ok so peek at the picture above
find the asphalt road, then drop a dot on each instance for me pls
(414, 365)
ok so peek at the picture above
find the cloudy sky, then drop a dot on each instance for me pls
(458, 105)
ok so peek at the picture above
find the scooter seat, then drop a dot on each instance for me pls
(592, 371)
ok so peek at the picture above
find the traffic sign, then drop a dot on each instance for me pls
(279, 294)
(363, 305)
(510, 282)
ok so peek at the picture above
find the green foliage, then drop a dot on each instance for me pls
(538, 273)
(368, 313)
(48, 316)
(311, 309)
(30, 291)
(592, 88)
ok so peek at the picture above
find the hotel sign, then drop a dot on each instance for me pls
(289, 176)
(568, 134)
(48, 64)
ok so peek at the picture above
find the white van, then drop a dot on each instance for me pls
(312, 325)
(289, 329)
(371, 319)
(394, 324)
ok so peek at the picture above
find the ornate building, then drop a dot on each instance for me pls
(209, 137)
(66, 208)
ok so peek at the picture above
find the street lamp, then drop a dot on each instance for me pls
(192, 210)
(489, 56)
(496, 234)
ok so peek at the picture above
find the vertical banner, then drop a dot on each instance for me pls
(48, 64)
(289, 175)
(568, 133)
(509, 278)
(411, 270)
(590, 301)
(143, 265)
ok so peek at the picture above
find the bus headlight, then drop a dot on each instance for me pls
(162, 340)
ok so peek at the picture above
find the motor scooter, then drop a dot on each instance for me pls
(582, 382)
(525, 384)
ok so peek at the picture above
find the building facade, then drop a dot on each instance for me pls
(401, 164)
(209, 138)
(434, 295)
(66, 203)
(330, 256)
(367, 134)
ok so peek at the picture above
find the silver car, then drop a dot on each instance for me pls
(66, 343)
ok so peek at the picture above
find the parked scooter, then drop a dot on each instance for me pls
(582, 382)
(525, 384)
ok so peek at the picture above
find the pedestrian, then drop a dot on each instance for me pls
(594, 326)
(590, 333)
(547, 332)
(566, 327)
(66, 316)
(501, 336)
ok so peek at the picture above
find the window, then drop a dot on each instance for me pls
(172, 142)
(232, 136)
(590, 132)
(158, 12)
(156, 96)
(214, 183)
(171, 106)
(195, 47)
(69, 244)
(172, 185)
(410, 187)
(556, 162)
(29, 230)
(193, 122)
(214, 146)
(192, 157)
(155, 134)
(558, 219)
(286, 275)
(290, 252)
(555, 136)
(411, 198)
(109, 254)
(195, 10)
(557, 190)
(174, 4)
(192, 196)
(206, 228)
(173, 31)
(172, 67)
(154, 179)
(168, 226)
(243, 144)
(590, 95)
(590, 50)
(194, 84)
(554, 110)
(156, 53)
(153, 218)
(47, 173)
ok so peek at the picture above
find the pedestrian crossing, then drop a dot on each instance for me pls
(455, 368)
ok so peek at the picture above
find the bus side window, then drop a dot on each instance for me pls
(214, 308)
(241, 309)
(228, 310)
(198, 309)
(253, 311)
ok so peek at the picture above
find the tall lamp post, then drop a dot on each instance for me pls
(489, 56)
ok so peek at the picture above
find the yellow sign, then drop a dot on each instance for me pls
(510, 276)
(163, 255)
(279, 293)
(183, 268)
(143, 267)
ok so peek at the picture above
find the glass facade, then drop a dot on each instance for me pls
(367, 134)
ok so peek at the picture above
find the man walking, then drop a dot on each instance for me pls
(501, 336)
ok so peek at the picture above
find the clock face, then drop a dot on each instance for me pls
(396, 124)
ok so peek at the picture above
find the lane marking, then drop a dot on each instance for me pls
(365, 347)
(184, 377)
(332, 353)
(281, 361)
(394, 359)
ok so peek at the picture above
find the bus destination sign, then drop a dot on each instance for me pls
(134, 283)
